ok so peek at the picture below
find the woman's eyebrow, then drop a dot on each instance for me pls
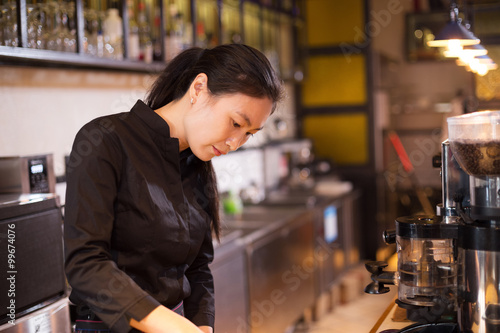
(247, 120)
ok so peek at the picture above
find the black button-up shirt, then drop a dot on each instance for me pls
(136, 235)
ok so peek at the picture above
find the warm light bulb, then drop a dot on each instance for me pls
(454, 49)
(474, 65)
(466, 53)
(466, 57)
(482, 70)
(454, 46)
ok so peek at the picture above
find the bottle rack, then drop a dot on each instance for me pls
(210, 22)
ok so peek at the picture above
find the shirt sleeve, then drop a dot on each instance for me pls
(199, 307)
(93, 173)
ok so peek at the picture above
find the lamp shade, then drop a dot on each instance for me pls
(454, 30)
(479, 65)
(484, 59)
(466, 52)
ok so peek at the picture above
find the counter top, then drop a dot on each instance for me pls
(280, 208)
(386, 321)
(14, 205)
(257, 221)
(394, 319)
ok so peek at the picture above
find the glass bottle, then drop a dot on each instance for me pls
(133, 49)
(231, 19)
(32, 16)
(271, 42)
(145, 42)
(113, 34)
(156, 34)
(174, 31)
(207, 26)
(68, 21)
(286, 44)
(8, 15)
(252, 25)
(89, 29)
(178, 27)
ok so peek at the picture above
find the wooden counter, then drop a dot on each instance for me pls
(386, 321)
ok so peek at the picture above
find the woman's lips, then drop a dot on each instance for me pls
(217, 152)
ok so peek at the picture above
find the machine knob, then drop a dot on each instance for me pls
(437, 161)
(379, 277)
(389, 236)
(376, 267)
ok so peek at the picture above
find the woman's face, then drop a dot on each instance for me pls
(216, 125)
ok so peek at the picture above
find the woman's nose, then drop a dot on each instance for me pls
(234, 143)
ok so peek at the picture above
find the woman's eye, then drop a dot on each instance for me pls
(237, 125)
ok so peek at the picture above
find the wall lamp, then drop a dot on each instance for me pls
(459, 42)
(454, 33)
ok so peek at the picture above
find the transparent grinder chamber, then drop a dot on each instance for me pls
(426, 273)
(475, 144)
(427, 266)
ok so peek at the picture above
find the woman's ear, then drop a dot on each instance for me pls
(198, 86)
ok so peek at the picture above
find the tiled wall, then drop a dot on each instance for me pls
(42, 109)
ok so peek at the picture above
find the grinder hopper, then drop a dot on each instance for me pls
(475, 143)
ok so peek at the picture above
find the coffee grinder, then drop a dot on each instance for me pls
(448, 272)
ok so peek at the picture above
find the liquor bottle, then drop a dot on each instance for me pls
(145, 42)
(133, 33)
(113, 34)
(174, 32)
(156, 35)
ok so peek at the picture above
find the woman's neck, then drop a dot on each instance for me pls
(173, 114)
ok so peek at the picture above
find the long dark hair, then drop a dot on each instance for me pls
(230, 68)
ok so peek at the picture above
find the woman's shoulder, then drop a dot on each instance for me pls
(116, 122)
(107, 122)
(103, 126)
(100, 135)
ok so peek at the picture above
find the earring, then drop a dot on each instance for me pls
(191, 100)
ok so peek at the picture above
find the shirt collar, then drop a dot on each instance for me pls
(151, 118)
(154, 121)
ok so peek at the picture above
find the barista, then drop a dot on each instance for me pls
(141, 201)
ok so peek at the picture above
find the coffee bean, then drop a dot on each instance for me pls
(477, 158)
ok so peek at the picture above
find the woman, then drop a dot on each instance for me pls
(141, 200)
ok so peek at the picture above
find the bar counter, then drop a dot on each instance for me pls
(386, 322)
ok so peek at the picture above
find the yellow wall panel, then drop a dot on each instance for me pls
(334, 21)
(334, 80)
(488, 86)
(341, 137)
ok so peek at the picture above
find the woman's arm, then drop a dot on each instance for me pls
(206, 329)
(165, 320)
(93, 177)
(199, 306)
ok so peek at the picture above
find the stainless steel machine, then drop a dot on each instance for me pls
(27, 174)
(448, 271)
(32, 282)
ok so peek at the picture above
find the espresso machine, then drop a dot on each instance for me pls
(448, 271)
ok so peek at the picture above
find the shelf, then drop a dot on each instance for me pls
(27, 56)
(24, 56)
